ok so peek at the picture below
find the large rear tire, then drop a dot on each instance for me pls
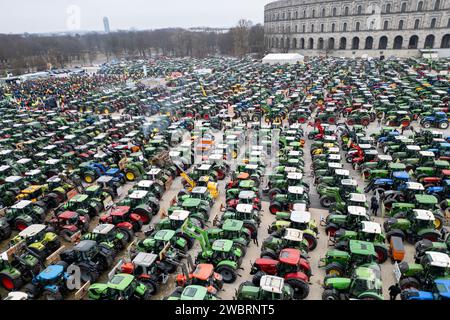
(301, 288)
(228, 274)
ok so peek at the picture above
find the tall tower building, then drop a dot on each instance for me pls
(106, 24)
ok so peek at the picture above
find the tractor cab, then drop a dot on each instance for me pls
(300, 219)
(296, 193)
(365, 281)
(194, 292)
(273, 288)
(423, 219)
(108, 183)
(426, 202)
(24, 209)
(201, 193)
(137, 197)
(233, 229)
(290, 261)
(349, 186)
(362, 252)
(248, 197)
(292, 238)
(357, 199)
(178, 217)
(356, 215)
(31, 234)
(371, 230)
(103, 233)
(143, 264)
(222, 250)
(34, 176)
(437, 264)
(245, 211)
(294, 178)
(67, 218)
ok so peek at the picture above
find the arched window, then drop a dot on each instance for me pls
(282, 43)
(359, 10)
(312, 28)
(284, 15)
(429, 42)
(433, 23)
(355, 43)
(314, 13)
(388, 8)
(277, 43)
(296, 28)
(334, 12)
(416, 24)
(413, 42)
(403, 9)
(302, 43)
(386, 25)
(304, 29)
(289, 16)
(333, 27)
(344, 28)
(296, 14)
(294, 43)
(304, 13)
(343, 43)
(400, 25)
(445, 44)
(322, 27)
(320, 44)
(323, 12)
(331, 44)
(346, 11)
(420, 6)
(369, 43)
(357, 26)
(311, 43)
(437, 5)
(398, 42)
(288, 43)
(383, 43)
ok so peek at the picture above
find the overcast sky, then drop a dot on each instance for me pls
(18, 16)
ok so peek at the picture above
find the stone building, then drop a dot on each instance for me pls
(359, 27)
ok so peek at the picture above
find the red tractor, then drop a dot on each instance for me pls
(201, 275)
(68, 223)
(295, 270)
(122, 217)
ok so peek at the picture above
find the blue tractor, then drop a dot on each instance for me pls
(51, 283)
(438, 120)
(440, 291)
(91, 171)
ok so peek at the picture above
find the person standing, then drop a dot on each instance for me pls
(374, 205)
(394, 291)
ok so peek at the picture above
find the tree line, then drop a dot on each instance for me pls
(30, 53)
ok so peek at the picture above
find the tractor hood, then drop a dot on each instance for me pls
(341, 284)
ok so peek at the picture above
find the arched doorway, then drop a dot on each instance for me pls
(429, 42)
(369, 43)
(320, 44)
(343, 43)
(445, 44)
(302, 43)
(294, 43)
(311, 43)
(413, 42)
(398, 42)
(355, 43)
(331, 44)
(383, 43)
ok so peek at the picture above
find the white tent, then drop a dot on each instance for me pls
(283, 58)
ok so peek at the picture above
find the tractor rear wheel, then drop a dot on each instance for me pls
(130, 175)
(426, 124)
(301, 288)
(382, 254)
(89, 178)
(273, 192)
(10, 283)
(330, 294)
(242, 247)
(443, 125)
(409, 283)
(257, 278)
(88, 274)
(275, 207)
(228, 274)
(5, 232)
(438, 221)
(144, 214)
(152, 286)
(335, 268)
(326, 201)
(312, 241)
(21, 224)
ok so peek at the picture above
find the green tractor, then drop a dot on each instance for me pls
(433, 265)
(283, 182)
(10, 188)
(177, 218)
(413, 227)
(38, 239)
(84, 205)
(286, 202)
(115, 239)
(143, 204)
(359, 254)
(337, 203)
(23, 214)
(232, 230)
(224, 254)
(192, 292)
(363, 284)
(176, 242)
(271, 288)
(367, 231)
(122, 286)
(288, 238)
(247, 214)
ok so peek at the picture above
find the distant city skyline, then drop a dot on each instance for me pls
(49, 16)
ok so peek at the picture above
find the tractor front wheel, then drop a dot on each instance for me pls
(130, 176)
(257, 278)
(438, 221)
(335, 268)
(426, 124)
(330, 294)
(443, 125)
(409, 283)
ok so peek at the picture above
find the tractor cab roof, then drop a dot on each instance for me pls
(199, 190)
(54, 179)
(290, 169)
(290, 256)
(34, 172)
(32, 230)
(425, 199)
(362, 247)
(413, 148)
(21, 204)
(401, 175)
(103, 229)
(384, 157)
(120, 281)
(233, 225)
(24, 161)
(349, 182)
(222, 245)
(334, 157)
(438, 259)
(4, 168)
(138, 194)
(52, 162)
(427, 154)
(294, 153)
(295, 176)
(105, 179)
(296, 190)
(342, 172)
(79, 198)
(50, 273)
(145, 259)
(334, 150)
(272, 284)
(244, 208)
(66, 215)
(49, 147)
(154, 172)
(371, 227)
(300, 216)
(357, 211)
(424, 215)
(204, 167)
(203, 271)
(194, 293)
(247, 194)
(145, 183)
(164, 235)
(416, 186)
(358, 197)
(120, 211)
(371, 152)
(293, 235)
(365, 146)
(13, 179)
(335, 165)
(179, 215)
